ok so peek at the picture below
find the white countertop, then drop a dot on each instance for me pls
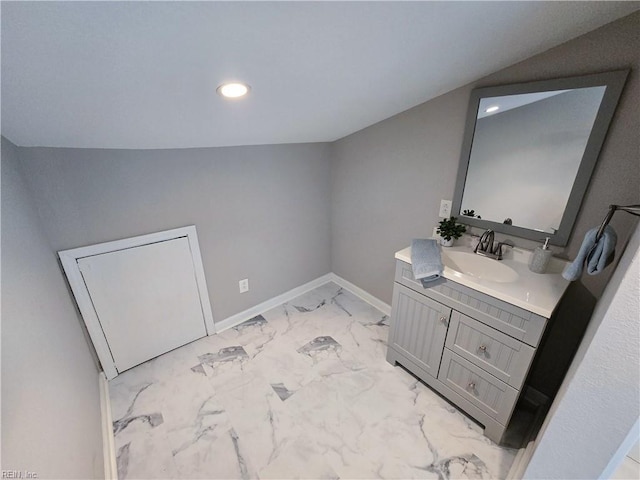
(535, 292)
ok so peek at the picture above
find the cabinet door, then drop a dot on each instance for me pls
(146, 299)
(418, 328)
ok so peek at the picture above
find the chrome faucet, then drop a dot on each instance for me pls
(485, 244)
(486, 248)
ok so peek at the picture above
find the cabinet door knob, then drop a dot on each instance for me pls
(471, 386)
(482, 348)
(443, 319)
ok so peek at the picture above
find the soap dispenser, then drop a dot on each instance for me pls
(540, 258)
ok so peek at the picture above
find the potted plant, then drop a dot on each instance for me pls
(449, 230)
(470, 213)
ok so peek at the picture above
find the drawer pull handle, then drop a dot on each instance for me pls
(471, 386)
(482, 348)
(443, 319)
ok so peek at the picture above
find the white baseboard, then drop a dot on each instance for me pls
(364, 295)
(521, 461)
(259, 309)
(108, 443)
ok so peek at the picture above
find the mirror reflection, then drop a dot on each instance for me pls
(525, 156)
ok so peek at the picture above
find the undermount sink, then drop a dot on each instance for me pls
(474, 265)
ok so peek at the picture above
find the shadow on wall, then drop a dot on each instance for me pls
(81, 324)
(562, 339)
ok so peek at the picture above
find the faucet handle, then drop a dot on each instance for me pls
(498, 250)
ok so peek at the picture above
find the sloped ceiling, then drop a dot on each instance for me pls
(144, 74)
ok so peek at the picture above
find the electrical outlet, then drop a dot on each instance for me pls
(244, 285)
(445, 209)
(435, 233)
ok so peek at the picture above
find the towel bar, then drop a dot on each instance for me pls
(632, 209)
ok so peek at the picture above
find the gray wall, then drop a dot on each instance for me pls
(597, 406)
(262, 212)
(50, 394)
(388, 179)
(387, 182)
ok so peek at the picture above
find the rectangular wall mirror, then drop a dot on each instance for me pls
(529, 151)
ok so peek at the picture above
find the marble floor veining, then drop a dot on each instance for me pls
(302, 391)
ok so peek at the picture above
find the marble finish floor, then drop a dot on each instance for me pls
(302, 391)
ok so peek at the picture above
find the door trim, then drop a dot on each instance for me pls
(108, 440)
(69, 259)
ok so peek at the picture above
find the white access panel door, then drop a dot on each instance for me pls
(146, 299)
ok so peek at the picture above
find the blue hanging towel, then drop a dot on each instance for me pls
(594, 255)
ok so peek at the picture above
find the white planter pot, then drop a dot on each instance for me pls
(446, 243)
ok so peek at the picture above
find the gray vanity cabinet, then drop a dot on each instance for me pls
(472, 348)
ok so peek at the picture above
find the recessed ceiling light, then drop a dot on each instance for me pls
(492, 109)
(233, 90)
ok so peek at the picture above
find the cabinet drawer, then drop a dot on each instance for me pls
(502, 356)
(418, 328)
(514, 321)
(482, 389)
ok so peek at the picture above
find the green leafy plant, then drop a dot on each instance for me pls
(448, 228)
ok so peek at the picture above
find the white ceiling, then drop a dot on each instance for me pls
(509, 102)
(144, 74)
